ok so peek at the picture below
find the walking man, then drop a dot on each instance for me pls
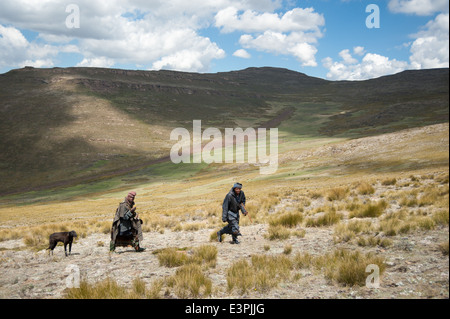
(232, 204)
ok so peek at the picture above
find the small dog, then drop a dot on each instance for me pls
(64, 237)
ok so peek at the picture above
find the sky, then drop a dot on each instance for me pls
(330, 39)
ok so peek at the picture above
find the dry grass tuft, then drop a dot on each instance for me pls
(109, 289)
(282, 233)
(328, 218)
(370, 210)
(287, 220)
(365, 188)
(338, 193)
(264, 273)
(190, 282)
(205, 255)
(389, 182)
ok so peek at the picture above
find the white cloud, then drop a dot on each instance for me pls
(250, 21)
(99, 62)
(371, 66)
(241, 53)
(431, 47)
(293, 33)
(151, 34)
(347, 57)
(418, 7)
(188, 60)
(359, 50)
(294, 44)
(16, 51)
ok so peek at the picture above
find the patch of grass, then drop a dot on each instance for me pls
(443, 247)
(109, 289)
(287, 220)
(282, 233)
(365, 188)
(349, 268)
(430, 196)
(263, 273)
(338, 193)
(303, 261)
(370, 210)
(342, 266)
(205, 255)
(190, 282)
(441, 217)
(401, 222)
(172, 257)
(344, 232)
(287, 249)
(330, 217)
(374, 241)
(389, 182)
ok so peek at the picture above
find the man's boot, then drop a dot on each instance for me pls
(112, 246)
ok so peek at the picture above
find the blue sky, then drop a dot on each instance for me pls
(323, 38)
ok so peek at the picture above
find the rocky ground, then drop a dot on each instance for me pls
(416, 267)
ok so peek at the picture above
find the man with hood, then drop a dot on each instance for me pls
(232, 204)
(126, 224)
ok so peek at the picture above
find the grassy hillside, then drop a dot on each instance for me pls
(84, 126)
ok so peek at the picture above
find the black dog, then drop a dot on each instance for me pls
(64, 237)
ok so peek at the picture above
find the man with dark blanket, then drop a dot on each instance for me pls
(232, 204)
(126, 224)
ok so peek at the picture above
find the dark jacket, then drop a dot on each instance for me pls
(232, 203)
